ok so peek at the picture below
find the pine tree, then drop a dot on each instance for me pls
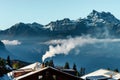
(8, 61)
(2, 62)
(74, 67)
(108, 68)
(116, 70)
(46, 63)
(66, 66)
(51, 63)
(82, 71)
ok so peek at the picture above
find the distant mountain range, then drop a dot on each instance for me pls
(97, 24)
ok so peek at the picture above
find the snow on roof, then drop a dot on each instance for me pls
(41, 69)
(103, 72)
(32, 66)
(30, 73)
(35, 66)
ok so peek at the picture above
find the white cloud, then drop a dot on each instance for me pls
(64, 46)
(11, 42)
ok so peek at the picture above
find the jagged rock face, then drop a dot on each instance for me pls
(102, 16)
(61, 25)
(102, 24)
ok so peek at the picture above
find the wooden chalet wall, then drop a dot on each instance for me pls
(50, 74)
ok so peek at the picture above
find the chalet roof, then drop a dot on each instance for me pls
(103, 72)
(30, 68)
(48, 68)
(36, 69)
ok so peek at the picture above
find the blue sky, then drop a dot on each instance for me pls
(44, 11)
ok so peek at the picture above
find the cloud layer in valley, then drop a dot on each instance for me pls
(11, 42)
(64, 46)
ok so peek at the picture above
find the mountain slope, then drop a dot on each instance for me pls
(4, 52)
(22, 29)
(96, 24)
(102, 24)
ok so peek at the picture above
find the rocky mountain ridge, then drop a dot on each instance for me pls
(98, 24)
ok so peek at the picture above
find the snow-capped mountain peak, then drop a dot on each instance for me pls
(96, 16)
(96, 24)
(61, 25)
